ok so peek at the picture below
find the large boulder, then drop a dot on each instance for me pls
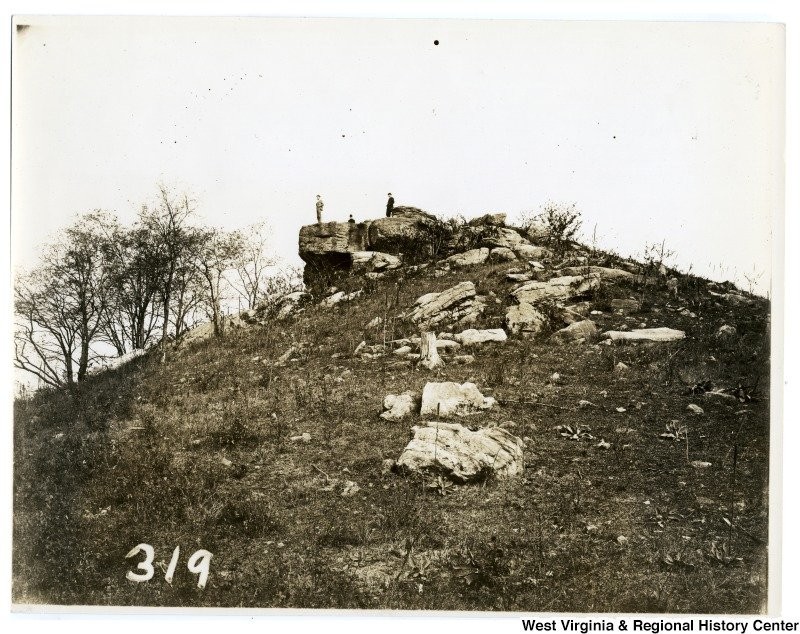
(462, 455)
(468, 258)
(457, 303)
(559, 288)
(502, 254)
(523, 319)
(489, 220)
(471, 336)
(531, 252)
(449, 399)
(646, 334)
(406, 231)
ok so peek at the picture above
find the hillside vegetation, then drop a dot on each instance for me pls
(628, 502)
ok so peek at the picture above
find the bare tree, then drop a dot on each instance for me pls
(168, 223)
(254, 262)
(61, 304)
(218, 253)
(136, 270)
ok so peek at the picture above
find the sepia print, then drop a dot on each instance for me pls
(394, 314)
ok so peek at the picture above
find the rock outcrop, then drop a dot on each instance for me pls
(458, 303)
(557, 288)
(341, 246)
(453, 451)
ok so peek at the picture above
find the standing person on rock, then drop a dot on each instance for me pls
(320, 205)
(389, 206)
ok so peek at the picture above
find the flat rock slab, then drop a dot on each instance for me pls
(646, 334)
(602, 271)
(471, 336)
(460, 454)
(450, 398)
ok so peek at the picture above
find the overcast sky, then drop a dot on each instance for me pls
(655, 130)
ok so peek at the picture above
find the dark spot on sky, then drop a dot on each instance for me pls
(615, 136)
(343, 136)
(22, 27)
(436, 42)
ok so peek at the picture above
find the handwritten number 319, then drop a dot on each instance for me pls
(198, 564)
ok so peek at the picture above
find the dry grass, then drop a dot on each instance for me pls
(137, 456)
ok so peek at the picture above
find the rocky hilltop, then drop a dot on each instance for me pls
(452, 415)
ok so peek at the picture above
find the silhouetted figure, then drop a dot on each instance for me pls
(389, 206)
(320, 205)
(351, 220)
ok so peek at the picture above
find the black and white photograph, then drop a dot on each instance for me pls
(397, 314)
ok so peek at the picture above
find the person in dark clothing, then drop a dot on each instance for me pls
(389, 206)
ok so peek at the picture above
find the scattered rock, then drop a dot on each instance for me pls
(359, 348)
(646, 334)
(523, 319)
(286, 355)
(399, 406)
(449, 398)
(374, 323)
(349, 489)
(447, 345)
(464, 359)
(338, 297)
(467, 258)
(700, 464)
(402, 351)
(585, 330)
(471, 336)
(696, 409)
(462, 455)
(519, 277)
(620, 368)
(726, 332)
(387, 466)
(304, 437)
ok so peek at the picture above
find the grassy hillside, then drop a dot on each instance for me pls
(198, 453)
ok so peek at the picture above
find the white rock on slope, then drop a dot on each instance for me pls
(449, 398)
(462, 455)
(646, 334)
